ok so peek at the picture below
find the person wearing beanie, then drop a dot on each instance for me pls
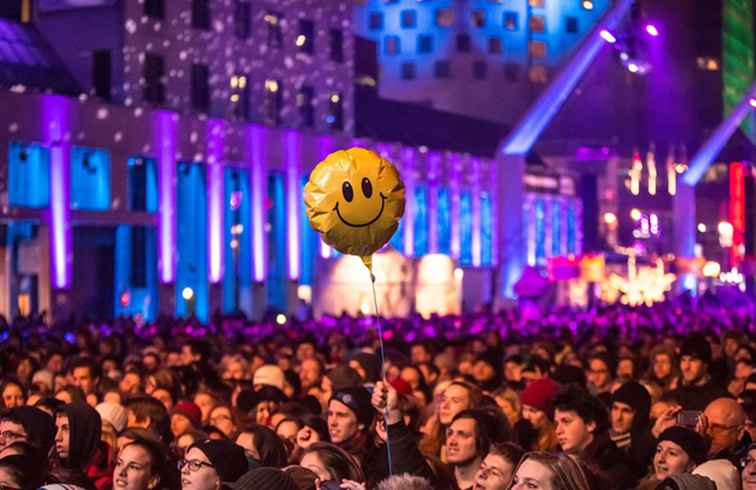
(268, 375)
(678, 451)
(350, 421)
(697, 388)
(209, 464)
(265, 478)
(487, 369)
(631, 405)
(113, 414)
(536, 400)
(185, 416)
(259, 405)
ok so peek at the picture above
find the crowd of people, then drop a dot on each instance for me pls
(610, 398)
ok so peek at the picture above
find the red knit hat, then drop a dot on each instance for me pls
(401, 386)
(540, 393)
(189, 410)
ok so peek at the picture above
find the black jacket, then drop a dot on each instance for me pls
(697, 397)
(405, 457)
(641, 451)
(613, 463)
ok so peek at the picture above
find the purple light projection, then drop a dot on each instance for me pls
(55, 119)
(164, 134)
(454, 191)
(325, 147)
(407, 165)
(608, 36)
(256, 155)
(293, 199)
(215, 199)
(476, 243)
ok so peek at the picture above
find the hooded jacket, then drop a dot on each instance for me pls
(85, 426)
(39, 426)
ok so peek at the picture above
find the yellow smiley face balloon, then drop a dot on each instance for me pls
(355, 199)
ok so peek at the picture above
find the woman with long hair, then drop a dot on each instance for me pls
(548, 471)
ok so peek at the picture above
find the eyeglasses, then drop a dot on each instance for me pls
(722, 428)
(747, 461)
(12, 435)
(193, 465)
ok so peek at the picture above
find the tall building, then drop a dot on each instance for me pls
(481, 58)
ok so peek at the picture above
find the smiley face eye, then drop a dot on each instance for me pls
(367, 187)
(346, 189)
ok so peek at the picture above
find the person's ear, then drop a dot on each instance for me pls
(154, 481)
(361, 427)
(591, 427)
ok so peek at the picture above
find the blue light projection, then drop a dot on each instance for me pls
(90, 179)
(444, 221)
(309, 247)
(143, 193)
(486, 230)
(465, 227)
(556, 228)
(420, 232)
(540, 230)
(28, 175)
(571, 230)
(397, 241)
(191, 241)
(276, 230)
(136, 272)
(237, 223)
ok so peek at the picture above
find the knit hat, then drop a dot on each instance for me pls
(722, 472)
(45, 378)
(227, 458)
(540, 394)
(357, 399)
(401, 386)
(343, 377)
(247, 400)
(371, 364)
(113, 413)
(267, 478)
(304, 478)
(687, 481)
(689, 440)
(191, 411)
(270, 375)
(637, 397)
(697, 346)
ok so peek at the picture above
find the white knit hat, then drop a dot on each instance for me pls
(269, 374)
(113, 413)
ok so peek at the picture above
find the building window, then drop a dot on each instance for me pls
(538, 74)
(480, 70)
(537, 49)
(538, 23)
(375, 21)
(200, 87)
(478, 18)
(242, 19)
(154, 69)
(511, 21)
(442, 69)
(409, 19)
(537, 3)
(335, 116)
(494, 45)
(154, 9)
(273, 102)
(707, 63)
(424, 43)
(392, 46)
(512, 72)
(306, 38)
(305, 98)
(275, 34)
(444, 17)
(463, 42)
(336, 38)
(240, 97)
(572, 24)
(201, 14)
(408, 71)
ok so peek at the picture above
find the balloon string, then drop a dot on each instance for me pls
(383, 372)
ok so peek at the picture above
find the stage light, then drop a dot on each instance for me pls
(588, 4)
(624, 56)
(702, 228)
(652, 30)
(608, 36)
(633, 68)
(753, 103)
(187, 293)
(280, 318)
(610, 218)
(635, 214)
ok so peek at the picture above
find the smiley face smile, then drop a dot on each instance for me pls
(383, 204)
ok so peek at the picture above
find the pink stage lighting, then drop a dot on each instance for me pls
(608, 36)
(652, 30)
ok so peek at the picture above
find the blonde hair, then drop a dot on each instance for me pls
(566, 473)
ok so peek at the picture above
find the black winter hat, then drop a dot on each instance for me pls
(697, 346)
(636, 396)
(267, 478)
(689, 440)
(227, 458)
(357, 399)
